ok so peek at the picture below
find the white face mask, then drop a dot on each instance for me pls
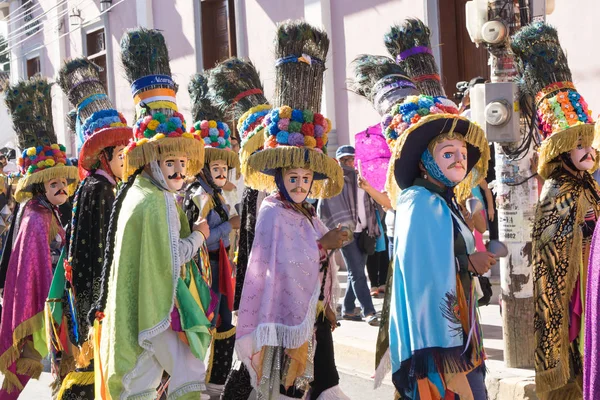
(297, 182)
(218, 172)
(584, 158)
(451, 157)
(56, 191)
(116, 164)
(174, 169)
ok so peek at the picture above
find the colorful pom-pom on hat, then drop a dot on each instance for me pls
(30, 105)
(295, 133)
(160, 129)
(209, 124)
(562, 113)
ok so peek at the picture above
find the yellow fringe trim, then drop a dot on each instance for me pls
(216, 336)
(294, 157)
(157, 149)
(255, 142)
(564, 141)
(475, 136)
(25, 184)
(29, 367)
(230, 157)
(75, 379)
(210, 204)
(224, 335)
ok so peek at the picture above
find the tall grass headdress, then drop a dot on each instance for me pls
(295, 132)
(98, 125)
(237, 90)
(419, 122)
(159, 130)
(563, 115)
(42, 159)
(210, 125)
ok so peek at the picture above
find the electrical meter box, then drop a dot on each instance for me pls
(495, 107)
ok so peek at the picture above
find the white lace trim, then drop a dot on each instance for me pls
(333, 393)
(273, 334)
(185, 389)
(385, 366)
(145, 336)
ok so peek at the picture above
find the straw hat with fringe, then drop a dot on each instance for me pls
(209, 125)
(30, 106)
(562, 113)
(160, 129)
(414, 125)
(97, 124)
(296, 134)
(237, 90)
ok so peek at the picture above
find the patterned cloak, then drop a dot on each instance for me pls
(28, 279)
(560, 253)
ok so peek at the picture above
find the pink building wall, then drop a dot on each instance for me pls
(577, 34)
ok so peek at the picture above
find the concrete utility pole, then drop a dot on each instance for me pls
(516, 201)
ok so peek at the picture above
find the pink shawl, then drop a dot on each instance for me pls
(283, 282)
(27, 284)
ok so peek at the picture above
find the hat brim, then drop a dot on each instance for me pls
(212, 154)
(406, 154)
(25, 185)
(93, 146)
(563, 142)
(254, 142)
(262, 165)
(155, 150)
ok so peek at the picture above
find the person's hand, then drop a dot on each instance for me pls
(235, 222)
(481, 262)
(228, 187)
(491, 214)
(363, 183)
(330, 315)
(201, 226)
(467, 216)
(334, 238)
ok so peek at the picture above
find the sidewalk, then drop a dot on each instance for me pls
(355, 353)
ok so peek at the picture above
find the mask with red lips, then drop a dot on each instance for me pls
(56, 191)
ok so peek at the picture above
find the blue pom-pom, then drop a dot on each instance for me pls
(297, 115)
(39, 149)
(407, 117)
(162, 128)
(275, 116)
(49, 152)
(221, 141)
(282, 137)
(273, 128)
(207, 141)
(408, 107)
(214, 132)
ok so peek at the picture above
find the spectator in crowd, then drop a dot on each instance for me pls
(355, 210)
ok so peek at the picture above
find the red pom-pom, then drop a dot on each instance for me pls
(179, 130)
(221, 133)
(320, 143)
(308, 129)
(215, 144)
(192, 129)
(318, 119)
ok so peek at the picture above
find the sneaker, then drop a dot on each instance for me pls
(372, 320)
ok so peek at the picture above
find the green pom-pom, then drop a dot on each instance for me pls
(148, 133)
(62, 148)
(31, 169)
(295, 126)
(171, 127)
(160, 117)
(308, 116)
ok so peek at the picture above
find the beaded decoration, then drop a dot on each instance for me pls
(409, 112)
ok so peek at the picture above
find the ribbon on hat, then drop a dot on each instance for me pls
(151, 80)
(79, 136)
(247, 93)
(304, 58)
(411, 52)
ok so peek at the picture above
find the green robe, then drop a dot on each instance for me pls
(145, 282)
